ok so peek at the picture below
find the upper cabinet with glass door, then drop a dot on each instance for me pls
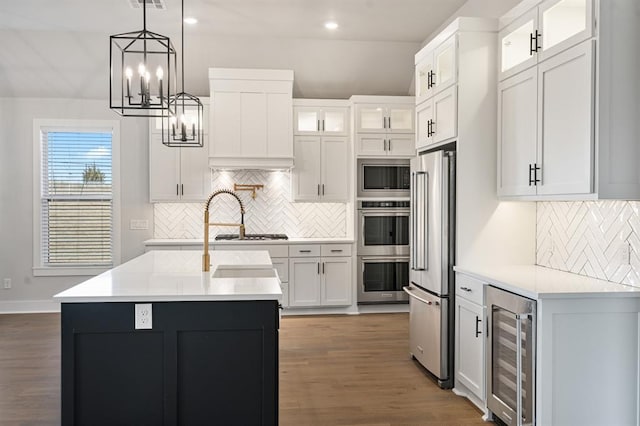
(436, 70)
(543, 31)
(320, 120)
(385, 118)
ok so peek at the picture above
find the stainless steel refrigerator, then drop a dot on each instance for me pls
(432, 251)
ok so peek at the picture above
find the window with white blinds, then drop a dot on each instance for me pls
(76, 198)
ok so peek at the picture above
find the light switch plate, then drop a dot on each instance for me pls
(144, 316)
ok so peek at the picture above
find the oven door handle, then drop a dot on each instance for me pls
(384, 259)
(409, 291)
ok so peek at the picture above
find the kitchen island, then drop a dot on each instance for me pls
(156, 341)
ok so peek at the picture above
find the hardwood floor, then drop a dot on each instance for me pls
(334, 370)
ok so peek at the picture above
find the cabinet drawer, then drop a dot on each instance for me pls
(304, 251)
(327, 250)
(282, 266)
(470, 288)
(275, 250)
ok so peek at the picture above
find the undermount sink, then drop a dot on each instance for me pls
(244, 273)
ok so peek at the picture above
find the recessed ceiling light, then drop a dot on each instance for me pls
(190, 20)
(331, 25)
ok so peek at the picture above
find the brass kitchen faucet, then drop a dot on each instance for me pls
(206, 259)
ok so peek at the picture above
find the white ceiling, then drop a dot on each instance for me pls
(60, 48)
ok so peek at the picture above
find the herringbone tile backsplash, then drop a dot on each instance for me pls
(270, 212)
(599, 239)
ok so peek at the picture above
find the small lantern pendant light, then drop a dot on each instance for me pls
(147, 52)
(182, 126)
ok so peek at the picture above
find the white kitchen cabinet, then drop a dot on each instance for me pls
(470, 339)
(546, 141)
(177, 174)
(437, 119)
(384, 126)
(336, 286)
(436, 70)
(320, 281)
(320, 120)
(321, 169)
(251, 118)
(542, 32)
(385, 145)
(384, 118)
(304, 282)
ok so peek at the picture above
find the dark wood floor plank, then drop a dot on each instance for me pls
(334, 370)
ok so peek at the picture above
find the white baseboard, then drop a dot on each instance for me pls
(28, 306)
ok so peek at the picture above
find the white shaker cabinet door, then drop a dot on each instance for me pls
(566, 121)
(469, 344)
(304, 281)
(195, 179)
(402, 145)
(306, 174)
(424, 118)
(164, 170)
(336, 286)
(334, 174)
(517, 127)
(445, 112)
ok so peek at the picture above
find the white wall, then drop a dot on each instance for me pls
(16, 192)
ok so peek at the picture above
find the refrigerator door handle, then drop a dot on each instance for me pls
(422, 181)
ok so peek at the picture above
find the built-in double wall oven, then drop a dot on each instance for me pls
(383, 230)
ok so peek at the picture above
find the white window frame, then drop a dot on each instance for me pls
(39, 268)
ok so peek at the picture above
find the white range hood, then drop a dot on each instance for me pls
(251, 119)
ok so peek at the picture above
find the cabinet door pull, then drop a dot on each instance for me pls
(336, 251)
(537, 38)
(182, 189)
(305, 251)
(318, 268)
(431, 80)
(536, 181)
(318, 189)
(478, 321)
(389, 145)
(467, 289)
(323, 189)
(389, 122)
(323, 268)
(531, 50)
(318, 125)
(177, 189)
(323, 125)
(530, 171)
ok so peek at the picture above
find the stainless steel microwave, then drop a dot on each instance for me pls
(383, 178)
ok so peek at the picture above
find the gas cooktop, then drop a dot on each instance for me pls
(251, 237)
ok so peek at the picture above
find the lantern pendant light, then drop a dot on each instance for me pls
(145, 52)
(182, 126)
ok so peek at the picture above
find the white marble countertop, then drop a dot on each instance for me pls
(175, 275)
(199, 242)
(538, 282)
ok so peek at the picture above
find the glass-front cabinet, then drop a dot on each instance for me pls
(321, 120)
(437, 70)
(377, 118)
(542, 32)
